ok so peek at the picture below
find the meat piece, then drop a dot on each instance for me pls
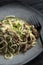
(23, 48)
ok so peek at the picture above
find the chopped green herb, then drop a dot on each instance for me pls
(19, 32)
(18, 25)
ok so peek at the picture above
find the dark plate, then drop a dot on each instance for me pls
(17, 10)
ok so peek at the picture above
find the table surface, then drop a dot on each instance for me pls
(39, 59)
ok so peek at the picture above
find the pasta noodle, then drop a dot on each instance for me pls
(16, 36)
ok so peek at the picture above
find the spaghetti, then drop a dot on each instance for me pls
(16, 36)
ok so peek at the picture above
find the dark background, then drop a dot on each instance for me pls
(37, 4)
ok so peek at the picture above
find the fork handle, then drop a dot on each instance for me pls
(41, 39)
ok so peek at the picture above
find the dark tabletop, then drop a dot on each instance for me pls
(37, 4)
(37, 61)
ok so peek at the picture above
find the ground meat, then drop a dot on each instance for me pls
(0, 24)
(23, 37)
(15, 38)
(34, 31)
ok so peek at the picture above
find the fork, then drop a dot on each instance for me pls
(34, 21)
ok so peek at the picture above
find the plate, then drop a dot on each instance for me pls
(25, 13)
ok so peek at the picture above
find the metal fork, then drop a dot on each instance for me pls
(34, 21)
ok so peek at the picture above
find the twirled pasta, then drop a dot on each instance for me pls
(16, 36)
